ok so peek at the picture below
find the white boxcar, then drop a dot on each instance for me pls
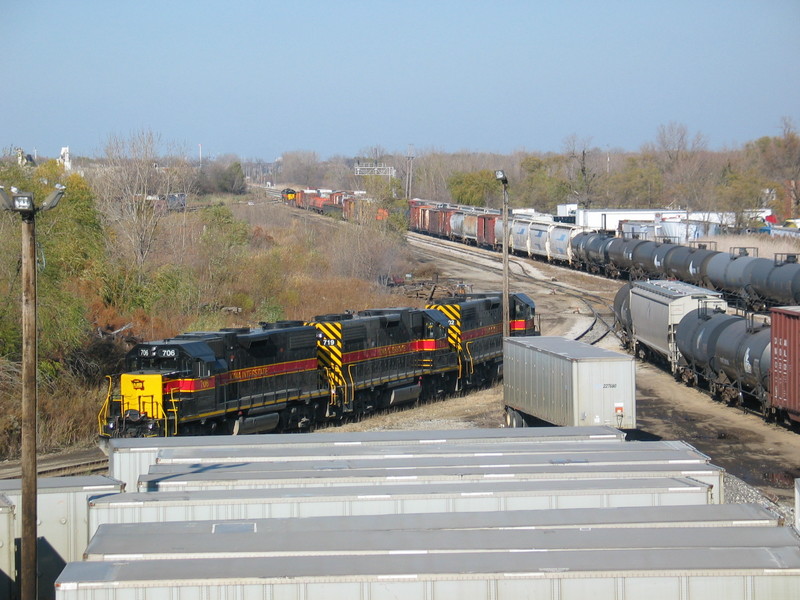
(656, 308)
(566, 382)
(130, 457)
(688, 573)
(394, 499)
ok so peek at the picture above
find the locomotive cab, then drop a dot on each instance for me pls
(158, 376)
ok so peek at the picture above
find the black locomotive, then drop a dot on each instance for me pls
(293, 375)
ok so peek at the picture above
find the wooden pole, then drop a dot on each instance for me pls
(28, 569)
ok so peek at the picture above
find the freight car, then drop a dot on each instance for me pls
(293, 375)
(752, 282)
(728, 354)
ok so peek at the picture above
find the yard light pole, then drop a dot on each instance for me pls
(22, 202)
(501, 177)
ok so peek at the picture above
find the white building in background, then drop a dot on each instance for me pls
(64, 159)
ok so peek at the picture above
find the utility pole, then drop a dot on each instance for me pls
(22, 203)
(501, 177)
(409, 170)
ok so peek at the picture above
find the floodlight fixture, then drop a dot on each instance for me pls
(500, 175)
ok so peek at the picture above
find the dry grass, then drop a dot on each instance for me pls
(766, 246)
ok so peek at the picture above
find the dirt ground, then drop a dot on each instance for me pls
(763, 455)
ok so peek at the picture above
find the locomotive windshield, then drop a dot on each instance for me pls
(158, 358)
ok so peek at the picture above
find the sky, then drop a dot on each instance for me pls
(258, 78)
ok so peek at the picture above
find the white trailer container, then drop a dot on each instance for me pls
(659, 574)
(130, 457)
(394, 499)
(569, 383)
(230, 539)
(656, 308)
(185, 477)
(7, 562)
(62, 515)
(683, 516)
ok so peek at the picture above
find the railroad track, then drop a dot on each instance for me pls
(80, 463)
(524, 270)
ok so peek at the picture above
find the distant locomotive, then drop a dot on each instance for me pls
(753, 282)
(294, 375)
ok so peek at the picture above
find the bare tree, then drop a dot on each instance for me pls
(686, 164)
(582, 175)
(133, 186)
(300, 168)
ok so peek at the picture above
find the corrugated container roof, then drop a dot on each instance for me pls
(243, 538)
(412, 452)
(393, 437)
(570, 349)
(705, 562)
(673, 289)
(389, 491)
(689, 515)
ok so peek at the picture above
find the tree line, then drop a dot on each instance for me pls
(675, 170)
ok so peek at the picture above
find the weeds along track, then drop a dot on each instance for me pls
(522, 270)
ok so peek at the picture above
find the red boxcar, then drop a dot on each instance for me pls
(417, 216)
(486, 224)
(785, 350)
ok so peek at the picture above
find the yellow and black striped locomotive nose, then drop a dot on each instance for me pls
(329, 348)
(453, 314)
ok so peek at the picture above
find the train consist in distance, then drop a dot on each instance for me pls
(749, 281)
(294, 375)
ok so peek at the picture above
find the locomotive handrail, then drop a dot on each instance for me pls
(102, 416)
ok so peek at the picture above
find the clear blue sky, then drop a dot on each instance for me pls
(257, 78)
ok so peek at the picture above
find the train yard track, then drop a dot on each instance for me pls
(526, 271)
(83, 462)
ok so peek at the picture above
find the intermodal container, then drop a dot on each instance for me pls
(566, 382)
